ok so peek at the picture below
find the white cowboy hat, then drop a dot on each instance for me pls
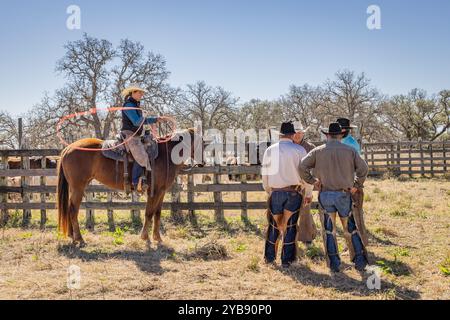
(132, 88)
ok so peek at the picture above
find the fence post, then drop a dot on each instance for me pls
(244, 212)
(24, 182)
(135, 214)
(372, 156)
(409, 159)
(4, 196)
(43, 181)
(190, 198)
(218, 210)
(422, 167)
(444, 155)
(399, 155)
(90, 213)
(175, 212)
(431, 159)
(110, 214)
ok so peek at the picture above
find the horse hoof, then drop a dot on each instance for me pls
(145, 237)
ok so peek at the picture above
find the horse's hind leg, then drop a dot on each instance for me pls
(70, 229)
(74, 206)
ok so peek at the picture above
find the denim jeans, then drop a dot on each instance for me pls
(280, 201)
(285, 200)
(336, 201)
(340, 202)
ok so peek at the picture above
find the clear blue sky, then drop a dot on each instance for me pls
(254, 48)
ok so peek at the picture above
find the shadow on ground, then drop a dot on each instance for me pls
(343, 283)
(148, 261)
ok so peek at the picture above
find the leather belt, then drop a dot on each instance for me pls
(289, 189)
(340, 190)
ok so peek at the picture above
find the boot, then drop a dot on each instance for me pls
(144, 184)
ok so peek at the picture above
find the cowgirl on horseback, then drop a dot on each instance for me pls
(132, 124)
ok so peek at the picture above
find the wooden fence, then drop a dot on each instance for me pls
(410, 158)
(407, 158)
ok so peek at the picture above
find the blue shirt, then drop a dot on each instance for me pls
(135, 117)
(351, 142)
(132, 118)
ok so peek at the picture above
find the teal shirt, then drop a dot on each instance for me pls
(350, 141)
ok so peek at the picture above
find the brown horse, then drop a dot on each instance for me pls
(77, 168)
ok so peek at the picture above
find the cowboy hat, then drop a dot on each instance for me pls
(132, 88)
(345, 123)
(287, 128)
(333, 129)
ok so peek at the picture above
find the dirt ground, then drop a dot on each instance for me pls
(408, 221)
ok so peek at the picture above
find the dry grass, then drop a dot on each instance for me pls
(408, 222)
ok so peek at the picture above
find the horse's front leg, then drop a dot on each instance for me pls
(149, 211)
(157, 224)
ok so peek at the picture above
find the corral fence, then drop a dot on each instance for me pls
(396, 158)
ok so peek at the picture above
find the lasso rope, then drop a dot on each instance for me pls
(169, 136)
(91, 111)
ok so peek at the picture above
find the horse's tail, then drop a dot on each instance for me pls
(63, 200)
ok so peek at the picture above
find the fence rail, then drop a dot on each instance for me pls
(396, 158)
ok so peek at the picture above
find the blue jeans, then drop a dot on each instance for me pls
(340, 202)
(136, 172)
(336, 201)
(284, 200)
(280, 201)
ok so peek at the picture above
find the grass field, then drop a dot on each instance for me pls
(408, 220)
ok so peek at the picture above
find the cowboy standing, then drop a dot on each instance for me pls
(348, 138)
(339, 172)
(132, 124)
(306, 228)
(358, 197)
(282, 181)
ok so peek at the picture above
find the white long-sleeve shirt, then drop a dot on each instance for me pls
(281, 166)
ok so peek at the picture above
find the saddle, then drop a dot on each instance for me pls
(119, 152)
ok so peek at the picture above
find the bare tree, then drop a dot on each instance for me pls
(96, 73)
(259, 114)
(213, 106)
(148, 69)
(307, 105)
(439, 116)
(417, 116)
(9, 132)
(352, 96)
(85, 66)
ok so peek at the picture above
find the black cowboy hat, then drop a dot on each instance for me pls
(287, 128)
(345, 123)
(333, 129)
